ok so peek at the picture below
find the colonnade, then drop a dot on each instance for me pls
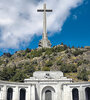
(17, 92)
(75, 94)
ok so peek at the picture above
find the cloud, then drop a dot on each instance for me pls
(20, 21)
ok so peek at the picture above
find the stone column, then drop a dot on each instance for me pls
(0, 93)
(28, 93)
(81, 94)
(32, 92)
(4, 94)
(16, 93)
(84, 94)
(70, 94)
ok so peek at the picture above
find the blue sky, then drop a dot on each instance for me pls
(75, 31)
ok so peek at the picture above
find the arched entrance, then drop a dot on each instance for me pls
(9, 94)
(87, 92)
(75, 94)
(22, 94)
(48, 93)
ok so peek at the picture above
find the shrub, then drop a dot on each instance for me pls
(83, 75)
(79, 63)
(49, 64)
(29, 70)
(28, 56)
(7, 73)
(77, 52)
(36, 53)
(24, 53)
(7, 54)
(49, 51)
(85, 62)
(67, 68)
(1, 62)
(19, 77)
(59, 62)
(45, 69)
(28, 50)
(19, 55)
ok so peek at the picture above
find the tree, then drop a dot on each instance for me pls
(67, 68)
(82, 74)
(49, 64)
(28, 50)
(7, 73)
(45, 69)
(77, 52)
(19, 77)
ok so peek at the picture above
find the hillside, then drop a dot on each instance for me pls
(74, 62)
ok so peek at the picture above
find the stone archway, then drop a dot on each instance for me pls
(87, 92)
(22, 94)
(48, 93)
(9, 94)
(75, 94)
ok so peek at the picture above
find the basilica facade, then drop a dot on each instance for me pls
(45, 85)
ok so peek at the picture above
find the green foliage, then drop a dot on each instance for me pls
(28, 55)
(79, 62)
(27, 50)
(49, 64)
(34, 62)
(19, 54)
(39, 68)
(60, 48)
(17, 74)
(85, 62)
(23, 54)
(35, 53)
(54, 50)
(45, 69)
(19, 77)
(59, 62)
(83, 75)
(1, 62)
(7, 73)
(29, 70)
(67, 68)
(49, 51)
(7, 55)
(77, 52)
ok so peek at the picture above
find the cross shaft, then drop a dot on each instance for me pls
(44, 10)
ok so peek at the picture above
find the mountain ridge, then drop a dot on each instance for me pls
(73, 62)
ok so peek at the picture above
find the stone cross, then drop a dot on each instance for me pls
(44, 10)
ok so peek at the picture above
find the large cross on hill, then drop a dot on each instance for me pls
(45, 41)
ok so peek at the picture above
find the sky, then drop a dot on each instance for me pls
(21, 25)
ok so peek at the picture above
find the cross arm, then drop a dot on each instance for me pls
(41, 10)
(49, 10)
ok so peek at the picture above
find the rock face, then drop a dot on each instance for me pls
(58, 58)
(87, 55)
